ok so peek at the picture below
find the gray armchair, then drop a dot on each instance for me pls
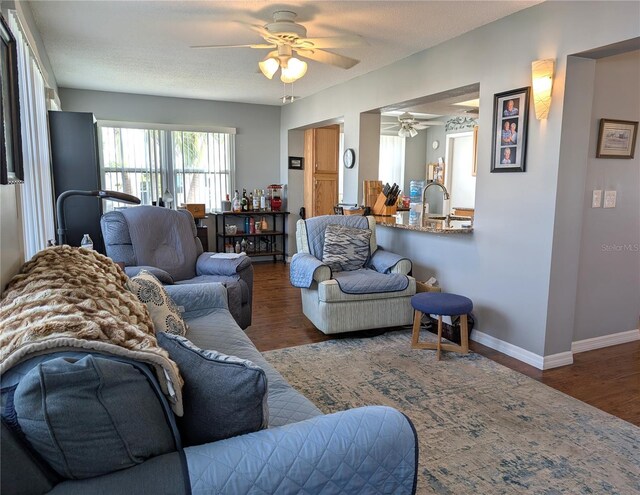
(375, 296)
(164, 242)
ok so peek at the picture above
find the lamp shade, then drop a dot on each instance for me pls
(542, 80)
(269, 66)
(294, 70)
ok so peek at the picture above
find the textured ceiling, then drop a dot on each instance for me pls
(143, 46)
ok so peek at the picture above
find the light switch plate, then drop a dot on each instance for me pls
(610, 199)
(596, 198)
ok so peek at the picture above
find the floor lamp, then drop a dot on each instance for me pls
(101, 194)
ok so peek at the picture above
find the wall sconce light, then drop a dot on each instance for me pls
(542, 78)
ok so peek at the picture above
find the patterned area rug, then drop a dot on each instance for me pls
(482, 427)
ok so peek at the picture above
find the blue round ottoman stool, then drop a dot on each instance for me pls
(441, 304)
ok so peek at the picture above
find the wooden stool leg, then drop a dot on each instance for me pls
(417, 319)
(439, 337)
(464, 333)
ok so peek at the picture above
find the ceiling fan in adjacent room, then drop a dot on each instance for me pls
(286, 39)
(409, 126)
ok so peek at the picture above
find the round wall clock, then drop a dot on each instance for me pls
(435, 144)
(349, 157)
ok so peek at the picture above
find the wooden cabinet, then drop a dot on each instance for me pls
(325, 194)
(321, 171)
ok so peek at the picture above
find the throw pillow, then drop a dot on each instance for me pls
(91, 416)
(164, 312)
(224, 396)
(345, 248)
(159, 273)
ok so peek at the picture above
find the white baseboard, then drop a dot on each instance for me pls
(605, 341)
(557, 360)
(509, 349)
(554, 360)
(535, 360)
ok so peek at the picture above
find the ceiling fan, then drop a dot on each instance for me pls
(287, 38)
(409, 125)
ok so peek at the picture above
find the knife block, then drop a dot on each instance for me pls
(380, 209)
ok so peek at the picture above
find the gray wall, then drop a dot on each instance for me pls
(295, 185)
(570, 202)
(608, 299)
(505, 265)
(438, 133)
(415, 153)
(11, 243)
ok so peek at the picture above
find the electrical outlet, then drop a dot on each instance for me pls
(609, 199)
(596, 199)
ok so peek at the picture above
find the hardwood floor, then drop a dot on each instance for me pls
(608, 378)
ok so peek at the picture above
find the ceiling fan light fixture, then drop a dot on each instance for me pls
(294, 70)
(403, 133)
(413, 132)
(269, 67)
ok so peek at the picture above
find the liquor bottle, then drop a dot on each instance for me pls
(263, 201)
(256, 200)
(243, 245)
(236, 207)
(252, 226)
(244, 201)
(250, 204)
(238, 247)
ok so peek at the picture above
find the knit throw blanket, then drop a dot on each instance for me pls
(72, 298)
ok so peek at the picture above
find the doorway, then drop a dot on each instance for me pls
(459, 178)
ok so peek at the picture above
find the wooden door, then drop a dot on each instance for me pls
(321, 147)
(327, 143)
(325, 194)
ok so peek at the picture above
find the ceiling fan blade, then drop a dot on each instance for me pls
(389, 127)
(261, 46)
(262, 31)
(329, 42)
(328, 58)
(419, 127)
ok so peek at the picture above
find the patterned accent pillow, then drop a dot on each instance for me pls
(345, 248)
(164, 312)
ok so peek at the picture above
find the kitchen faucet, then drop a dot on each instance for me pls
(424, 195)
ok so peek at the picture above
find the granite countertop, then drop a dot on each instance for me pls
(456, 225)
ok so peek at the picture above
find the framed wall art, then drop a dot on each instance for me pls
(617, 138)
(510, 124)
(296, 162)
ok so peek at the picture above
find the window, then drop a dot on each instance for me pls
(131, 163)
(202, 167)
(36, 196)
(194, 166)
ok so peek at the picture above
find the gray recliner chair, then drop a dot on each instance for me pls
(377, 295)
(165, 243)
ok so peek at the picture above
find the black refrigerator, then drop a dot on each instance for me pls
(76, 165)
